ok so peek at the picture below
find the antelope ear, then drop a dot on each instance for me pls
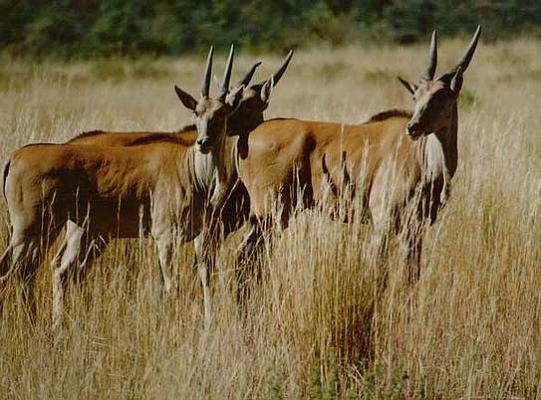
(266, 90)
(456, 82)
(410, 87)
(186, 98)
(234, 97)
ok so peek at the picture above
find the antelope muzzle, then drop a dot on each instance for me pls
(413, 130)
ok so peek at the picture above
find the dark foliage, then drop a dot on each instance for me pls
(86, 28)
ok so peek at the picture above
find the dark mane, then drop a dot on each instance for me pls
(187, 128)
(86, 134)
(149, 139)
(161, 137)
(39, 144)
(389, 114)
(281, 119)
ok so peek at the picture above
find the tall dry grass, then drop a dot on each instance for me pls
(315, 327)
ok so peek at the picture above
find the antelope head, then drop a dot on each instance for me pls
(211, 114)
(255, 98)
(435, 99)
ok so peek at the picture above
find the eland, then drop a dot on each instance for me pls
(398, 165)
(160, 189)
(232, 207)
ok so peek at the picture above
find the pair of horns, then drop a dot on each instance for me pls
(278, 74)
(227, 73)
(462, 64)
(245, 81)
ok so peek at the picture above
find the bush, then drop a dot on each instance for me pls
(83, 28)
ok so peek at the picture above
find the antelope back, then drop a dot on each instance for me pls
(185, 136)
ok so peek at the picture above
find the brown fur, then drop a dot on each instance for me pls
(101, 192)
(233, 202)
(398, 164)
(387, 172)
(105, 185)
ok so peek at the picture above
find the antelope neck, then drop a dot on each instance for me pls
(439, 155)
(440, 151)
(209, 171)
(213, 172)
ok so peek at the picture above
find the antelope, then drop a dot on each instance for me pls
(398, 163)
(234, 205)
(160, 189)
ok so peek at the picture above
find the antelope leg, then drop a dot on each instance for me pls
(64, 261)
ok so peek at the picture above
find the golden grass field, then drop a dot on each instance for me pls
(470, 328)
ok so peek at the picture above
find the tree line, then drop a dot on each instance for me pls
(87, 28)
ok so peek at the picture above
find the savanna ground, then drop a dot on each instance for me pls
(315, 328)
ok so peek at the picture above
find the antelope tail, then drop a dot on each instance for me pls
(5, 177)
(5, 270)
(346, 177)
(332, 185)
